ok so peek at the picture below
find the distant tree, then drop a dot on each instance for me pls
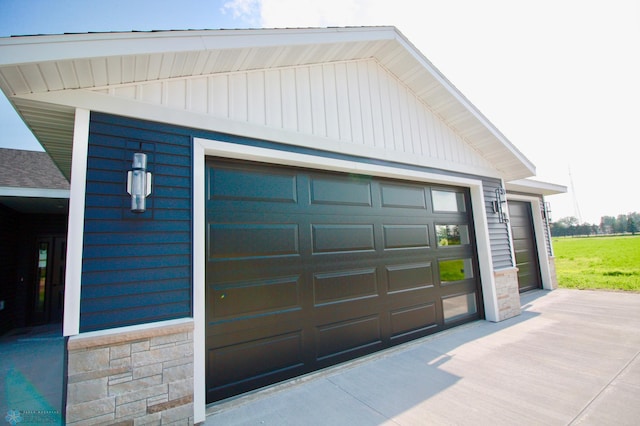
(620, 224)
(570, 226)
(607, 224)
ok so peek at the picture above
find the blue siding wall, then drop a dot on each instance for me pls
(136, 268)
(498, 232)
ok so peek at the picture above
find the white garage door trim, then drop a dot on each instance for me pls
(208, 147)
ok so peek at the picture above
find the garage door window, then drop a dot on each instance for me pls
(452, 235)
(460, 306)
(447, 201)
(455, 270)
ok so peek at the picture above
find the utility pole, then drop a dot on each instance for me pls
(576, 207)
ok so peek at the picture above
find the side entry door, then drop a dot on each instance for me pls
(49, 280)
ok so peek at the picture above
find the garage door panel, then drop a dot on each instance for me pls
(338, 338)
(406, 277)
(522, 245)
(233, 365)
(520, 233)
(342, 237)
(244, 298)
(523, 257)
(252, 185)
(242, 240)
(409, 321)
(225, 270)
(406, 236)
(404, 196)
(517, 209)
(344, 286)
(340, 192)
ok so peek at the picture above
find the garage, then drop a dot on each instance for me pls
(524, 245)
(306, 269)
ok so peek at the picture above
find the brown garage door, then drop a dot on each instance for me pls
(306, 269)
(524, 245)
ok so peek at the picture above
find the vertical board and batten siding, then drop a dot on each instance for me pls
(498, 232)
(136, 268)
(352, 102)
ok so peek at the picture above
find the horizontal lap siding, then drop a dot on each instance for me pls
(498, 232)
(136, 267)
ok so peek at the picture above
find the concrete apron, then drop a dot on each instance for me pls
(571, 357)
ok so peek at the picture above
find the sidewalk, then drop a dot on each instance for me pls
(571, 357)
(32, 375)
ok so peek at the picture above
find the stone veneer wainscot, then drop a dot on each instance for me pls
(132, 376)
(508, 293)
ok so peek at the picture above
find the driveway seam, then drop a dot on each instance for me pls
(362, 402)
(596, 396)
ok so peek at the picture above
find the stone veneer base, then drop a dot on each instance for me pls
(136, 376)
(508, 293)
(552, 270)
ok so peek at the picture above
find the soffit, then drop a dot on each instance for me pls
(78, 61)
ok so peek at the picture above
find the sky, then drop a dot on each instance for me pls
(559, 78)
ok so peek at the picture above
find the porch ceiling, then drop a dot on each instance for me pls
(37, 64)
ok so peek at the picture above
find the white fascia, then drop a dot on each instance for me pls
(9, 191)
(75, 231)
(539, 235)
(208, 147)
(20, 50)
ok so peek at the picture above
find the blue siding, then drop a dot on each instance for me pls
(136, 268)
(498, 232)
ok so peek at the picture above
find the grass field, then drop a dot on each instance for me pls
(611, 263)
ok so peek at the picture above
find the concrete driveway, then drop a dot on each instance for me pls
(571, 357)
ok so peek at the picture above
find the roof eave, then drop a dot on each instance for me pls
(463, 117)
(535, 187)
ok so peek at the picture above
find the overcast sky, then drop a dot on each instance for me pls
(560, 78)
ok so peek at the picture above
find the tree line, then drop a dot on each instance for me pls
(623, 223)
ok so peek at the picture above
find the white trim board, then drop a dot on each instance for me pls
(10, 191)
(207, 147)
(75, 230)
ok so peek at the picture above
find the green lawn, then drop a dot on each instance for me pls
(611, 263)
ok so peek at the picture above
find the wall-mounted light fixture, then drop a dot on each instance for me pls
(546, 212)
(139, 183)
(499, 205)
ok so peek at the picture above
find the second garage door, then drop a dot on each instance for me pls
(306, 269)
(524, 245)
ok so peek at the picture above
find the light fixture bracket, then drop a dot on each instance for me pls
(139, 183)
(499, 205)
